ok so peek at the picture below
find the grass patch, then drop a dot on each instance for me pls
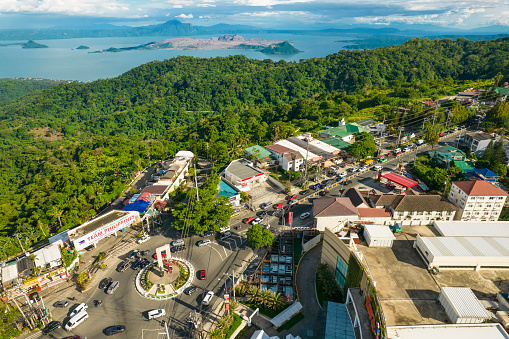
(290, 323)
(269, 312)
(237, 320)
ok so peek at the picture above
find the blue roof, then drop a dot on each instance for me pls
(487, 173)
(138, 206)
(336, 322)
(226, 190)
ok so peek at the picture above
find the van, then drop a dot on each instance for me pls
(397, 150)
(78, 309)
(76, 320)
(178, 242)
(156, 313)
(420, 142)
(208, 298)
(113, 287)
(203, 242)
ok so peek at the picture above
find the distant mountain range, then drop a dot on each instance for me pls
(175, 28)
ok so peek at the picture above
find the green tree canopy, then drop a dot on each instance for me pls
(259, 236)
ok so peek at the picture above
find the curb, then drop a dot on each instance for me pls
(297, 270)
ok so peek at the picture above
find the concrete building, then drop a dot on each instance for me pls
(477, 142)
(228, 190)
(174, 171)
(287, 158)
(259, 155)
(242, 174)
(462, 306)
(346, 132)
(472, 228)
(328, 212)
(477, 200)
(378, 236)
(317, 146)
(306, 153)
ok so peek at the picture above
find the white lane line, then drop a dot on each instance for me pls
(220, 256)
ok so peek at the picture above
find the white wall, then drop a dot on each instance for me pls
(307, 246)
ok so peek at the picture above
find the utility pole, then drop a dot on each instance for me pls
(306, 161)
(434, 116)
(17, 236)
(423, 122)
(380, 140)
(23, 314)
(399, 136)
(196, 181)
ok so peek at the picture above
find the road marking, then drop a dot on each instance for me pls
(161, 335)
(226, 255)
(35, 335)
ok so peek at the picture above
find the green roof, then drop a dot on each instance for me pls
(450, 149)
(343, 131)
(336, 142)
(464, 165)
(502, 90)
(258, 150)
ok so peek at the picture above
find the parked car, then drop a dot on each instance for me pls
(317, 186)
(113, 287)
(304, 192)
(441, 134)
(202, 275)
(266, 204)
(261, 213)
(104, 283)
(177, 242)
(111, 330)
(248, 220)
(61, 304)
(203, 242)
(279, 205)
(342, 165)
(144, 238)
(389, 154)
(342, 174)
(383, 160)
(190, 290)
(294, 196)
(354, 169)
(322, 193)
(208, 298)
(89, 248)
(293, 202)
(73, 337)
(134, 253)
(256, 221)
(144, 253)
(137, 264)
(208, 233)
(377, 168)
(397, 153)
(124, 266)
(305, 215)
(78, 309)
(144, 263)
(225, 235)
(51, 327)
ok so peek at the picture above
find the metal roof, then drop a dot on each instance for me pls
(9, 272)
(241, 169)
(399, 179)
(379, 231)
(47, 255)
(467, 246)
(310, 155)
(285, 315)
(463, 331)
(464, 302)
(472, 228)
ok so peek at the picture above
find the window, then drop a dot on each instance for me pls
(476, 213)
(501, 198)
(486, 213)
(467, 213)
(419, 213)
(341, 270)
(449, 213)
(400, 214)
(411, 213)
(497, 205)
(462, 203)
(480, 198)
(492, 198)
(469, 205)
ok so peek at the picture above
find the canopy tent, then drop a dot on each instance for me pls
(400, 180)
(138, 206)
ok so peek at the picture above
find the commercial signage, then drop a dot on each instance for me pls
(290, 218)
(226, 298)
(103, 231)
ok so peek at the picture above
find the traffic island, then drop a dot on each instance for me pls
(153, 282)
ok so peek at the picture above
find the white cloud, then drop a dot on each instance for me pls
(268, 3)
(385, 20)
(303, 14)
(68, 7)
(205, 5)
(205, 17)
(184, 16)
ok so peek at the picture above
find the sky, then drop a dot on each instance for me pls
(289, 14)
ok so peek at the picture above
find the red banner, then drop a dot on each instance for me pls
(290, 218)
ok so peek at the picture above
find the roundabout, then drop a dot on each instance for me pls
(167, 282)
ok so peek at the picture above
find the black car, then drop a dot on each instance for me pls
(104, 283)
(322, 193)
(190, 290)
(304, 192)
(261, 213)
(137, 264)
(144, 263)
(124, 266)
(61, 304)
(51, 327)
(208, 233)
(133, 254)
(114, 329)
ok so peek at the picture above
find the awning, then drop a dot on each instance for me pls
(400, 180)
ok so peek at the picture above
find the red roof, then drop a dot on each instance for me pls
(279, 149)
(399, 179)
(145, 196)
(479, 187)
(373, 212)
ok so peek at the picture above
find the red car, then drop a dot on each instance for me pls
(397, 153)
(441, 134)
(290, 198)
(248, 220)
(389, 154)
(277, 206)
(202, 275)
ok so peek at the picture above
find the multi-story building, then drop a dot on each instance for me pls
(477, 200)
(287, 158)
(477, 142)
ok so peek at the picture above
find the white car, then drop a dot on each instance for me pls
(407, 149)
(156, 313)
(256, 221)
(208, 298)
(78, 309)
(343, 174)
(305, 215)
(378, 168)
(354, 169)
(146, 237)
(420, 142)
(362, 169)
(293, 202)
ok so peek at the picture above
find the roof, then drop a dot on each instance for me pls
(242, 169)
(285, 315)
(101, 221)
(423, 203)
(145, 196)
(337, 142)
(137, 206)
(385, 199)
(258, 151)
(226, 190)
(485, 172)
(336, 323)
(480, 136)
(399, 179)
(464, 302)
(465, 166)
(366, 122)
(278, 148)
(355, 196)
(9, 272)
(156, 189)
(379, 231)
(467, 246)
(345, 130)
(479, 187)
(463, 331)
(185, 154)
(308, 154)
(25, 264)
(472, 228)
(294, 155)
(450, 149)
(333, 206)
(502, 90)
(47, 255)
(374, 213)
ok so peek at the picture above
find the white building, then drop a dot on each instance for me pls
(463, 252)
(462, 306)
(307, 154)
(477, 200)
(463, 331)
(472, 228)
(175, 170)
(242, 174)
(378, 236)
(418, 209)
(49, 255)
(287, 158)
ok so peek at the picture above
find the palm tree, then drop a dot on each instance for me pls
(233, 305)
(275, 301)
(216, 334)
(265, 297)
(254, 294)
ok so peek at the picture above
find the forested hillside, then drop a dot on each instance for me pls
(71, 149)
(14, 88)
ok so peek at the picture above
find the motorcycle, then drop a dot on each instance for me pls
(72, 298)
(97, 302)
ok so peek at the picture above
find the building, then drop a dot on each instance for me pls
(472, 228)
(160, 192)
(477, 200)
(228, 190)
(447, 155)
(337, 143)
(306, 152)
(328, 212)
(477, 142)
(48, 256)
(259, 155)
(462, 306)
(174, 171)
(242, 174)
(470, 93)
(378, 236)
(346, 132)
(483, 174)
(287, 158)
(99, 228)
(467, 253)
(306, 141)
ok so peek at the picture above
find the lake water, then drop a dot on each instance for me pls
(63, 62)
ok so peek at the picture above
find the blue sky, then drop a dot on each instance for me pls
(292, 14)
